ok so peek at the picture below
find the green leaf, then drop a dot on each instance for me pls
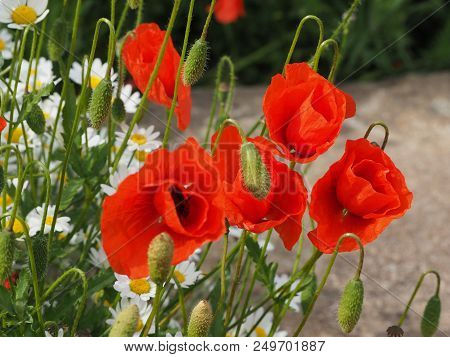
(103, 279)
(5, 300)
(264, 273)
(69, 192)
(97, 159)
(69, 110)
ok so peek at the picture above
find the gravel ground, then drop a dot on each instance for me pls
(417, 110)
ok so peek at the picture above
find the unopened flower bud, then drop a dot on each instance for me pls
(100, 105)
(6, 253)
(118, 110)
(36, 119)
(134, 4)
(160, 254)
(57, 39)
(350, 305)
(431, 315)
(126, 322)
(201, 320)
(195, 64)
(256, 178)
(40, 255)
(308, 294)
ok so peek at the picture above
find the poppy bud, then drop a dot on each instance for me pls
(100, 106)
(195, 64)
(40, 255)
(201, 320)
(431, 315)
(126, 322)
(308, 293)
(134, 4)
(6, 253)
(36, 119)
(350, 305)
(160, 254)
(57, 39)
(254, 172)
(118, 110)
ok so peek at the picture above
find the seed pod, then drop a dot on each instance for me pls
(118, 110)
(40, 255)
(308, 293)
(201, 320)
(2, 178)
(36, 119)
(6, 254)
(57, 39)
(256, 178)
(134, 4)
(126, 322)
(394, 331)
(431, 315)
(195, 64)
(350, 305)
(160, 254)
(100, 105)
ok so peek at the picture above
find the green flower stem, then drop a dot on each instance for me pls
(220, 131)
(84, 284)
(345, 22)
(416, 289)
(156, 301)
(298, 255)
(177, 78)
(138, 115)
(42, 32)
(140, 11)
(113, 12)
(208, 20)
(182, 305)
(223, 282)
(244, 281)
(336, 54)
(386, 132)
(123, 16)
(327, 273)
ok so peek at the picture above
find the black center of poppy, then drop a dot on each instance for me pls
(181, 202)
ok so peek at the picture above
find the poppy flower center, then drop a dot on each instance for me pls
(260, 332)
(24, 15)
(140, 286)
(181, 203)
(139, 139)
(95, 80)
(179, 276)
(49, 220)
(2, 45)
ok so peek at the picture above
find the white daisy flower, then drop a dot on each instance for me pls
(34, 220)
(20, 13)
(141, 141)
(98, 72)
(195, 256)
(6, 44)
(94, 137)
(42, 75)
(19, 133)
(60, 333)
(279, 281)
(117, 177)
(144, 312)
(263, 327)
(98, 258)
(178, 334)
(142, 288)
(78, 238)
(50, 107)
(130, 100)
(186, 274)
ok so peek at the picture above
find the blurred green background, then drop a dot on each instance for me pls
(387, 37)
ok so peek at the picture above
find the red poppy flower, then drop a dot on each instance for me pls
(140, 52)
(3, 124)
(6, 283)
(361, 194)
(176, 192)
(304, 112)
(228, 11)
(284, 206)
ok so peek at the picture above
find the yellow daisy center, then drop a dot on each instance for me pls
(2, 45)
(62, 235)
(17, 226)
(180, 276)
(141, 155)
(95, 80)
(139, 139)
(140, 286)
(46, 115)
(139, 326)
(49, 220)
(16, 135)
(24, 15)
(8, 200)
(260, 332)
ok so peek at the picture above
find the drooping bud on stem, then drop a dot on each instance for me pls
(57, 39)
(256, 178)
(40, 251)
(350, 305)
(6, 253)
(134, 4)
(126, 322)
(431, 315)
(118, 110)
(100, 105)
(195, 64)
(201, 320)
(36, 119)
(160, 254)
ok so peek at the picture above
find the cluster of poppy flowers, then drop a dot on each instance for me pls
(193, 194)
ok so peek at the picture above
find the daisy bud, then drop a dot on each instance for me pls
(100, 106)
(431, 315)
(134, 4)
(201, 320)
(57, 39)
(36, 119)
(6, 253)
(254, 171)
(126, 322)
(40, 255)
(118, 110)
(308, 293)
(195, 64)
(350, 305)
(160, 254)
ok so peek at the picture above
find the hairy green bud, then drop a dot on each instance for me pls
(40, 247)
(160, 254)
(118, 110)
(36, 119)
(6, 254)
(201, 320)
(134, 4)
(57, 39)
(126, 322)
(431, 315)
(254, 171)
(195, 64)
(350, 305)
(308, 294)
(100, 105)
